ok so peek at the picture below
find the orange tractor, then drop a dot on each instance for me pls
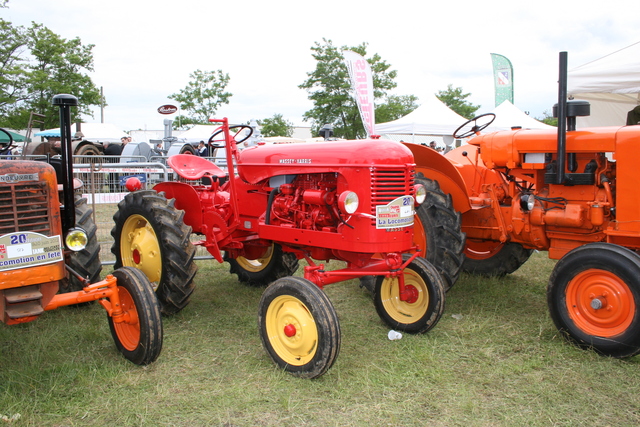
(49, 253)
(573, 193)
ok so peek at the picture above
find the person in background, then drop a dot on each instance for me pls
(432, 144)
(202, 150)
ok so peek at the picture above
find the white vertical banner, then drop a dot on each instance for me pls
(362, 84)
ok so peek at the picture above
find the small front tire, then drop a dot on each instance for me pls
(299, 327)
(139, 337)
(424, 306)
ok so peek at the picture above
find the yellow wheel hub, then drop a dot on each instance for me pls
(415, 307)
(291, 330)
(256, 265)
(140, 248)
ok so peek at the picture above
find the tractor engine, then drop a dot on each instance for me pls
(309, 203)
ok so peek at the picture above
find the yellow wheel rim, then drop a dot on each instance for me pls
(256, 265)
(411, 310)
(139, 248)
(291, 330)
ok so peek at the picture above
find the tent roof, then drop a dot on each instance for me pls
(433, 117)
(611, 84)
(96, 132)
(16, 136)
(198, 133)
(508, 116)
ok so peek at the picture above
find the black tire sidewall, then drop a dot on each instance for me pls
(611, 258)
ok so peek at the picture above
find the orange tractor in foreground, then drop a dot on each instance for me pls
(49, 253)
(573, 193)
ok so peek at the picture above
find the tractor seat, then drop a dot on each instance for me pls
(193, 167)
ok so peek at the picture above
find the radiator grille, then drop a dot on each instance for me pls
(24, 207)
(389, 184)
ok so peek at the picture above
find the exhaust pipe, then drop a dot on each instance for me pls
(562, 119)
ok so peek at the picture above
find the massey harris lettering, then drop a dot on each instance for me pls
(295, 161)
(16, 177)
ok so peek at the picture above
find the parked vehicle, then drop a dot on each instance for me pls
(49, 253)
(278, 204)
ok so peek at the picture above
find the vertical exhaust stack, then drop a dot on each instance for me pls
(65, 102)
(562, 119)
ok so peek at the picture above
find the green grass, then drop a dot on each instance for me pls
(494, 359)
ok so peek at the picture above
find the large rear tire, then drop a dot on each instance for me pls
(438, 232)
(425, 305)
(490, 258)
(272, 265)
(139, 337)
(150, 234)
(87, 261)
(299, 327)
(594, 298)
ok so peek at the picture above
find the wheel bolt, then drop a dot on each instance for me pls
(596, 304)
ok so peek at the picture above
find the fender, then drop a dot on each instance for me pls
(437, 167)
(186, 199)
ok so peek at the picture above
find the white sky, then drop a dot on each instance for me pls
(145, 50)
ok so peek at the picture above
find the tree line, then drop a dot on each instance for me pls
(36, 64)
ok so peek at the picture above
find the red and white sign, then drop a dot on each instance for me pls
(362, 84)
(167, 109)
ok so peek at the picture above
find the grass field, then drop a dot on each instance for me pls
(495, 359)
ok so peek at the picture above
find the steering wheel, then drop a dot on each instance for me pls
(475, 128)
(233, 132)
(4, 148)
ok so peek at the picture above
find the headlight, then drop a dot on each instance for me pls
(76, 239)
(348, 202)
(421, 193)
(527, 201)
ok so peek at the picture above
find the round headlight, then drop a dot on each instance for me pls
(421, 193)
(527, 202)
(76, 239)
(348, 202)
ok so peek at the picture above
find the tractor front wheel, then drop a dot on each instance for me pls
(491, 258)
(594, 298)
(272, 265)
(150, 235)
(299, 327)
(423, 303)
(139, 336)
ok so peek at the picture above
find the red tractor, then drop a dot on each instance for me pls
(558, 191)
(49, 253)
(351, 201)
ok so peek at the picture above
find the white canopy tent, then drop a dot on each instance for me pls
(432, 119)
(509, 116)
(611, 84)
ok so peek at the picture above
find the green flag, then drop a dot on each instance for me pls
(502, 78)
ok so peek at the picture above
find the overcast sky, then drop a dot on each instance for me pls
(145, 50)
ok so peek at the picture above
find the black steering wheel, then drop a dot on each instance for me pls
(476, 127)
(232, 130)
(5, 147)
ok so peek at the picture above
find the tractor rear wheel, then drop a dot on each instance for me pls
(491, 258)
(299, 327)
(150, 234)
(87, 261)
(139, 337)
(272, 265)
(437, 232)
(594, 298)
(424, 305)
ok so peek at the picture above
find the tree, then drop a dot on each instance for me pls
(455, 99)
(329, 88)
(42, 65)
(396, 106)
(548, 119)
(276, 126)
(202, 96)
